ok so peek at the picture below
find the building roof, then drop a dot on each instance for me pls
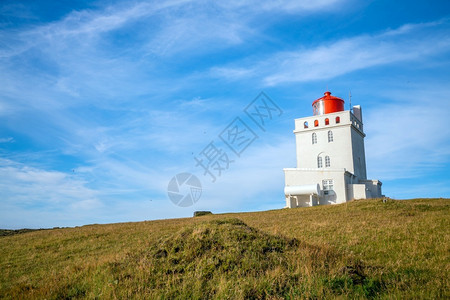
(328, 97)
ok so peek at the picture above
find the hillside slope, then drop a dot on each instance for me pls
(366, 248)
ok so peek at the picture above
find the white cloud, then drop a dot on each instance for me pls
(172, 26)
(81, 60)
(83, 195)
(290, 6)
(22, 184)
(87, 204)
(409, 138)
(7, 140)
(409, 42)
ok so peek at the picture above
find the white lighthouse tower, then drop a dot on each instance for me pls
(331, 162)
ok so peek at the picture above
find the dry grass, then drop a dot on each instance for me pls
(362, 249)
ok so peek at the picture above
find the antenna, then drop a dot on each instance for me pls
(350, 99)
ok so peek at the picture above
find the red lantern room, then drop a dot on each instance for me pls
(327, 104)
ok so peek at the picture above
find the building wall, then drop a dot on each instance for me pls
(358, 154)
(345, 151)
(373, 187)
(295, 176)
(358, 191)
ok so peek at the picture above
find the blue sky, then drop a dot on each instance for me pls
(103, 102)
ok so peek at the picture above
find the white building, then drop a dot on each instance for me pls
(331, 162)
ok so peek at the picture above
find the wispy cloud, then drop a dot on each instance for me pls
(410, 138)
(290, 6)
(93, 56)
(25, 185)
(7, 140)
(407, 43)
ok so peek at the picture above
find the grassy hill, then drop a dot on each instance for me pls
(361, 249)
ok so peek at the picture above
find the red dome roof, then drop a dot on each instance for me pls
(327, 104)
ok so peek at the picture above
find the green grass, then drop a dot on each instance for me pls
(361, 249)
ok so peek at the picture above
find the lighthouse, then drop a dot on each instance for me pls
(331, 162)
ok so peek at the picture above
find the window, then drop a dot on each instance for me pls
(327, 186)
(338, 120)
(327, 161)
(316, 123)
(330, 136)
(319, 162)
(327, 121)
(305, 125)
(314, 138)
